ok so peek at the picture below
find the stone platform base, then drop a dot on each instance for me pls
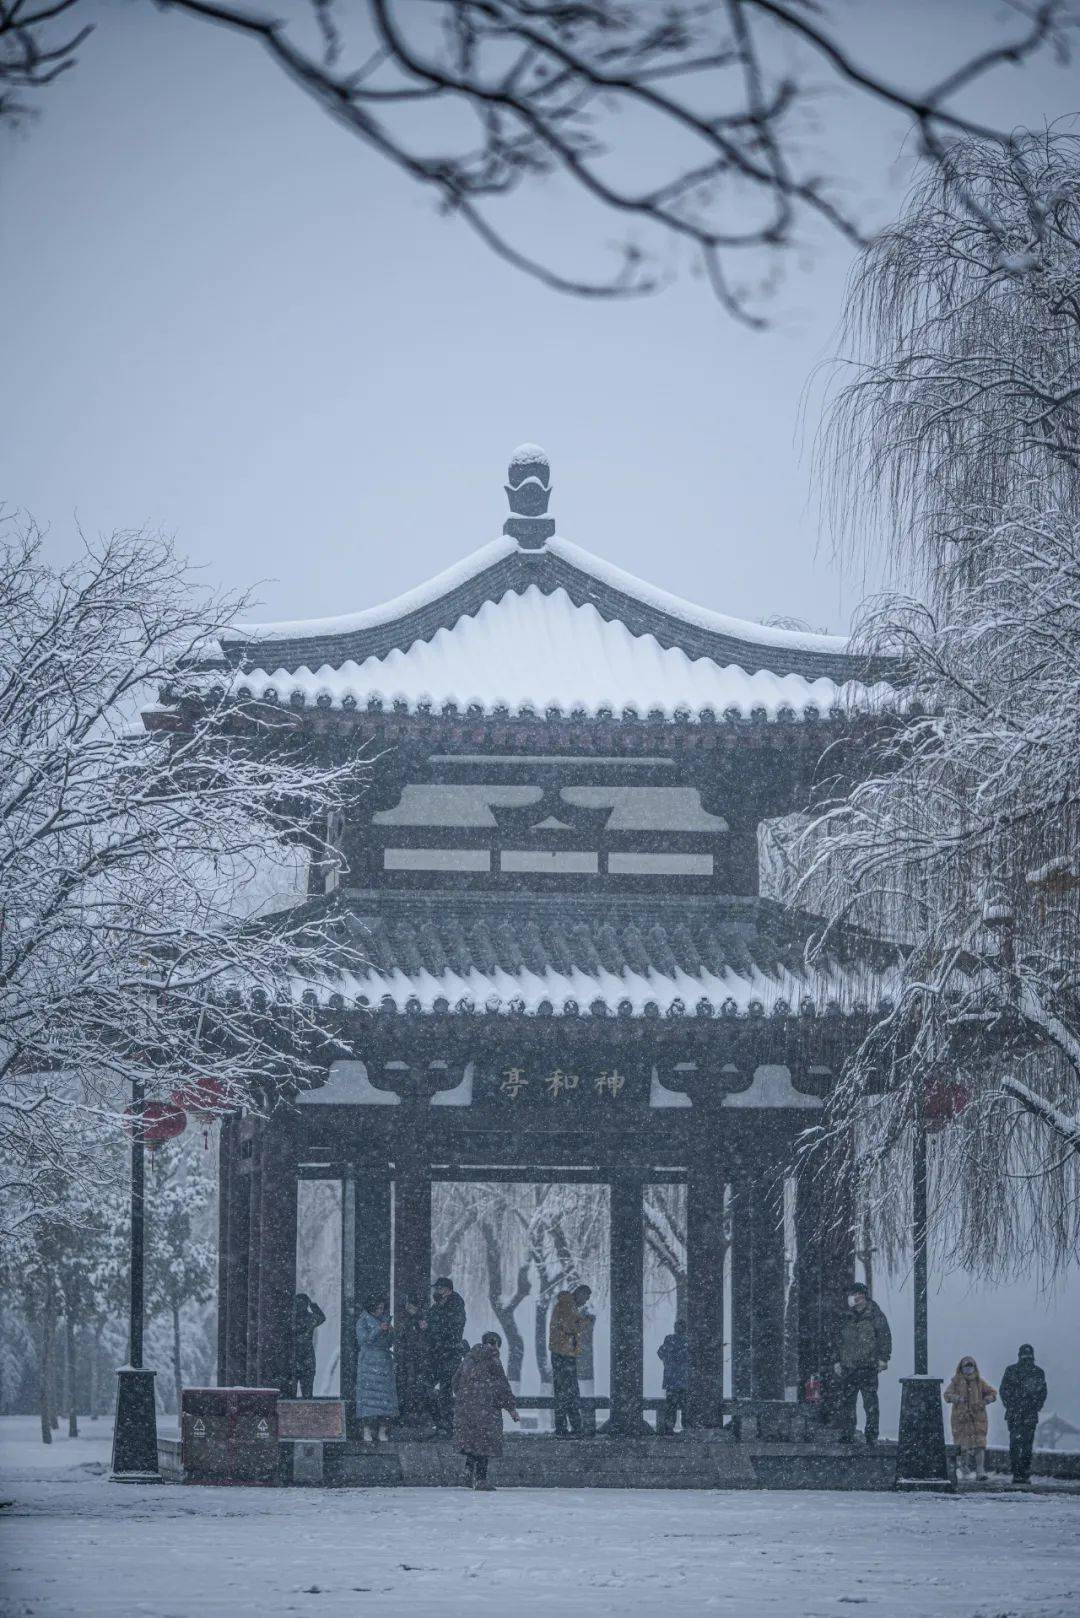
(712, 1461)
(703, 1462)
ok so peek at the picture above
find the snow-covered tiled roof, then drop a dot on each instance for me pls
(533, 650)
(531, 622)
(721, 958)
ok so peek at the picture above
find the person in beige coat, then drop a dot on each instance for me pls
(968, 1396)
(566, 1331)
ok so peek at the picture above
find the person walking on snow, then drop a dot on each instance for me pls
(446, 1329)
(674, 1351)
(1023, 1394)
(968, 1396)
(481, 1394)
(376, 1393)
(566, 1333)
(864, 1349)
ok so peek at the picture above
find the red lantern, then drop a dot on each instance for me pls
(155, 1122)
(943, 1102)
(205, 1100)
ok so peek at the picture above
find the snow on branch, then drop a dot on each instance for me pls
(1065, 1127)
(143, 937)
(955, 444)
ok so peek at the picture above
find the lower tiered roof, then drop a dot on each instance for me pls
(525, 955)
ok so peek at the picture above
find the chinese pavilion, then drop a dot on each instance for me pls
(552, 960)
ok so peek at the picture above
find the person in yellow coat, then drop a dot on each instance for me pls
(968, 1396)
(566, 1334)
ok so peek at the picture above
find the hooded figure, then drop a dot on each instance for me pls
(968, 1395)
(481, 1394)
(1023, 1393)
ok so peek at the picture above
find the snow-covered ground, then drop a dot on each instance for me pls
(75, 1544)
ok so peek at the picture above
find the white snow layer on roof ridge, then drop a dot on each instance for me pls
(385, 612)
(703, 617)
(532, 650)
(604, 572)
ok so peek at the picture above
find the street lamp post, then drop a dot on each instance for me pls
(921, 1461)
(134, 1453)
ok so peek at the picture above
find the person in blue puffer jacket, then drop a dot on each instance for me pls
(674, 1351)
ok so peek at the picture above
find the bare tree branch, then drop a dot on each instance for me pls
(712, 92)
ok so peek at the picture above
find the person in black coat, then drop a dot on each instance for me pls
(412, 1355)
(307, 1318)
(863, 1350)
(446, 1330)
(1023, 1394)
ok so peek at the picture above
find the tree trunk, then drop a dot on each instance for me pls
(45, 1371)
(504, 1309)
(54, 1371)
(540, 1339)
(95, 1375)
(178, 1374)
(70, 1364)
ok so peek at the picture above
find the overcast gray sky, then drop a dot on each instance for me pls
(227, 319)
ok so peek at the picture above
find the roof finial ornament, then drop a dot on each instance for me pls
(528, 490)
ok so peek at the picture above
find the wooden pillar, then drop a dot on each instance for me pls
(705, 1247)
(627, 1257)
(741, 1287)
(412, 1224)
(811, 1338)
(234, 1223)
(365, 1254)
(837, 1246)
(226, 1198)
(250, 1375)
(277, 1248)
(767, 1272)
(235, 1371)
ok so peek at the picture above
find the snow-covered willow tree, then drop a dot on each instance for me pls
(141, 846)
(955, 443)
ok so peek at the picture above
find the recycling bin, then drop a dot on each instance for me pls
(229, 1435)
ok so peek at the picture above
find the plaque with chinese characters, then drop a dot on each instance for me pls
(546, 1085)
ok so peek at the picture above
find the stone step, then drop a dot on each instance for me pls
(704, 1463)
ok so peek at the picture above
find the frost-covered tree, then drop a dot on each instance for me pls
(689, 124)
(138, 845)
(956, 442)
(181, 1266)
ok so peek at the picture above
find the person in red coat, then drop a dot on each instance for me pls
(481, 1394)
